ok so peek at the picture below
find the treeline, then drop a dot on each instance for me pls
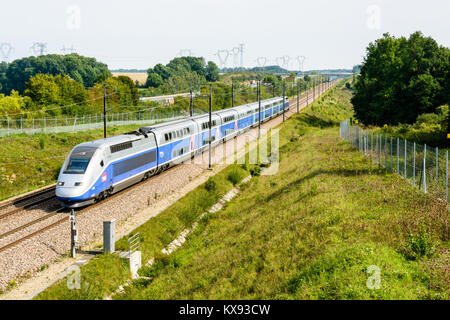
(222, 96)
(179, 74)
(48, 95)
(54, 85)
(402, 78)
(84, 70)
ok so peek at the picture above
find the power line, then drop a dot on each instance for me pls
(39, 48)
(68, 50)
(6, 49)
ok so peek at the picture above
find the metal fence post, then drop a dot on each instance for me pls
(437, 170)
(424, 168)
(446, 173)
(391, 153)
(414, 166)
(404, 163)
(385, 152)
(376, 148)
(381, 143)
(398, 151)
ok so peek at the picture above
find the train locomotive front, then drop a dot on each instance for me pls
(76, 186)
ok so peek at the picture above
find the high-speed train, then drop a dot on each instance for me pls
(94, 170)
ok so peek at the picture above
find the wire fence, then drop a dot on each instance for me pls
(423, 166)
(87, 122)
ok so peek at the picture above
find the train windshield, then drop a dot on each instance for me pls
(77, 166)
(79, 160)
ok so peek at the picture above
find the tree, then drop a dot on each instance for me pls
(400, 79)
(13, 104)
(130, 88)
(82, 69)
(162, 71)
(212, 72)
(154, 80)
(43, 90)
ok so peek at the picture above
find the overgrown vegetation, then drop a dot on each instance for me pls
(84, 70)
(401, 79)
(430, 129)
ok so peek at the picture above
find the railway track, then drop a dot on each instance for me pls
(57, 222)
(26, 202)
(289, 112)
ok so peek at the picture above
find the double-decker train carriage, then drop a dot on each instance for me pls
(94, 170)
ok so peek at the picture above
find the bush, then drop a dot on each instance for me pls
(234, 176)
(419, 246)
(255, 171)
(428, 118)
(42, 142)
(210, 185)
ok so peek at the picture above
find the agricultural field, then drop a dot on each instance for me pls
(140, 77)
(324, 226)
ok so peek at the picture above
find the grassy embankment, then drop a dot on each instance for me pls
(105, 273)
(309, 232)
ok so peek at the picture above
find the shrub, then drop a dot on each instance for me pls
(428, 118)
(42, 142)
(419, 245)
(255, 171)
(210, 185)
(234, 176)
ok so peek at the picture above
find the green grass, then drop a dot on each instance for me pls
(100, 277)
(28, 162)
(111, 268)
(311, 231)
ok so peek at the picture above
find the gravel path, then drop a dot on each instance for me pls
(27, 258)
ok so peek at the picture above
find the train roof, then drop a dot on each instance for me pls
(109, 141)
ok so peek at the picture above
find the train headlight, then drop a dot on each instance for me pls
(60, 183)
(77, 184)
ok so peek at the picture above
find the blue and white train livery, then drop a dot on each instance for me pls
(94, 170)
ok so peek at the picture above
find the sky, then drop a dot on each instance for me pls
(137, 34)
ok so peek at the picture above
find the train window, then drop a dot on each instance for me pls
(102, 163)
(121, 146)
(133, 163)
(77, 166)
(166, 136)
